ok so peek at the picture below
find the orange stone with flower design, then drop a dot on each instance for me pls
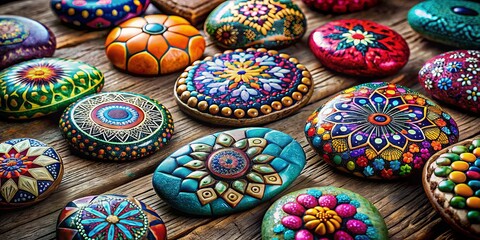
(154, 45)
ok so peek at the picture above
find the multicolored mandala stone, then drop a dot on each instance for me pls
(24, 39)
(340, 6)
(244, 88)
(29, 172)
(229, 171)
(323, 213)
(379, 130)
(256, 23)
(109, 217)
(154, 44)
(97, 14)
(451, 180)
(454, 77)
(360, 48)
(40, 87)
(454, 23)
(116, 126)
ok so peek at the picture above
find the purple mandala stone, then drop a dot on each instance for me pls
(24, 39)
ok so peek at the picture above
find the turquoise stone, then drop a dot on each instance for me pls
(323, 213)
(454, 23)
(229, 171)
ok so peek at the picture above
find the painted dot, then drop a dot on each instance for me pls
(378, 140)
(396, 137)
(412, 132)
(359, 138)
(343, 129)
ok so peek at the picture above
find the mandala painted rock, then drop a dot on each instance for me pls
(380, 130)
(29, 172)
(154, 44)
(454, 77)
(97, 14)
(454, 23)
(109, 217)
(229, 171)
(360, 48)
(340, 6)
(116, 126)
(256, 23)
(244, 88)
(23, 39)
(40, 87)
(451, 180)
(323, 213)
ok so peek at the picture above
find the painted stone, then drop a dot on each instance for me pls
(244, 88)
(97, 14)
(29, 172)
(154, 44)
(359, 48)
(109, 217)
(340, 6)
(116, 126)
(454, 77)
(379, 130)
(44, 86)
(256, 23)
(229, 171)
(24, 39)
(454, 23)
(323, 213)
(451, 180)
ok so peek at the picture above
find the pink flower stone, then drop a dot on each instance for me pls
(328, 201)
(308, 201)
(303, 235)
(356, 227)
(346, 210)
(342, 235)
(292, 222)
(293, 208)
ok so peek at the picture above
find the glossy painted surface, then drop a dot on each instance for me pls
(454, 78)
(323, 213)
(340, 6)
(97, 14)
(40, 87)
(154, 44)
(229, 171)
(244, 88)
(379, 130)
(116, 126)
(109, 217)
(359, 48)
(23, 39)
(29, 172)
(256, 23)
(454, 23)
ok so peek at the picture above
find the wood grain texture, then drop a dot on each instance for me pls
(194, 11)
(406, 209)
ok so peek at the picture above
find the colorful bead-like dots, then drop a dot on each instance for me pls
(461, 169)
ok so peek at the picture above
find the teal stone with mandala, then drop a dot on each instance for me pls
(323, 213)
(256, 23)
(40, 87)
(229, 171)
(454, 23)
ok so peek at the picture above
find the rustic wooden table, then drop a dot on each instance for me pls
(407, 212)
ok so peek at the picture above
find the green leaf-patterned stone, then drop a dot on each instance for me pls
(40, 87)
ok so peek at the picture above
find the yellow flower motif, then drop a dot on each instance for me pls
(359, 37)
(322, 220)
(247, 71)
(227, 35)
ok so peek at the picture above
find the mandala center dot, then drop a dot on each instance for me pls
(112, 219)
(379, 119)
(464, 11)
(118, 113)
(154, 28)
(39, 73)
(241, 72)
(358, 36)
(11, 163)
(228, 163)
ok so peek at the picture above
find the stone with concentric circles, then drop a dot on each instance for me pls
(24, 39)
(154, 45)
(359, 48)
(229, 171)
(29, 172)
(39, 87)
(109, 217)
(116, 126)
(323, 213)
(380, 130)
(244, 87)
(97, 14)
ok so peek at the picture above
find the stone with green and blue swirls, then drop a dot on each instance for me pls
(229, 171)
(453, 23)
